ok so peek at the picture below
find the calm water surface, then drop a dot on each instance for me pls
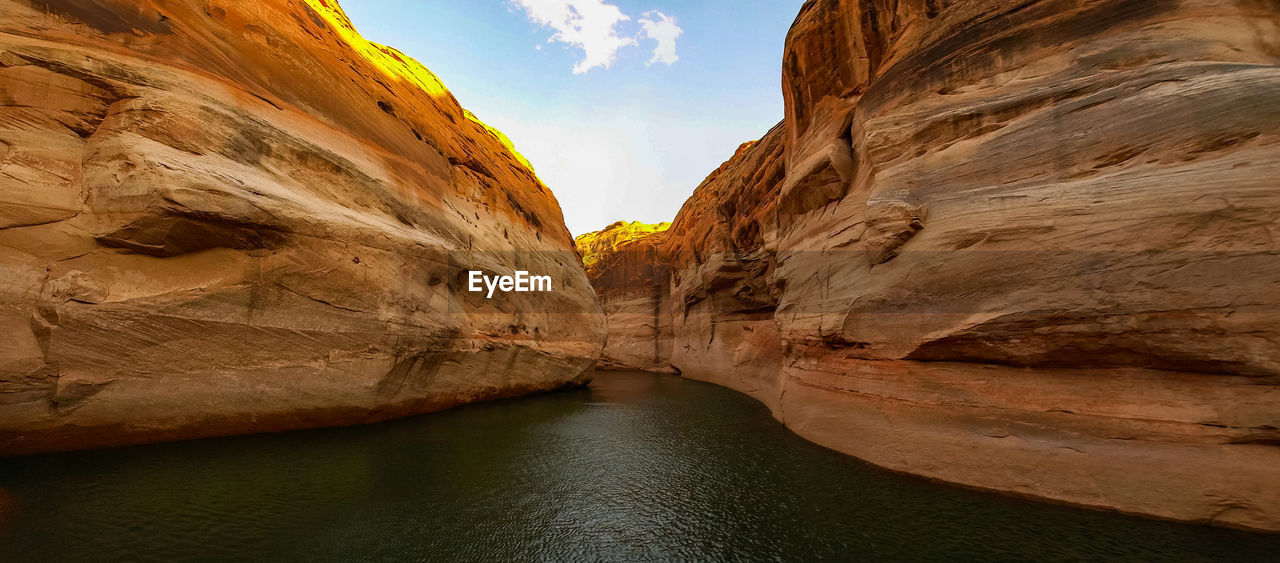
(638, 467)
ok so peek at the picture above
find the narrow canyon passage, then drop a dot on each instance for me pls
(1020, 246)
(637, 467)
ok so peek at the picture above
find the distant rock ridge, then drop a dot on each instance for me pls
(611, 240)
(224, 217)
(1026, 246)
(630, 278)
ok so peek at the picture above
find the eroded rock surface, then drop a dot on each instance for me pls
(629, 274)
(1021, 245)
(221, 217)
(722, 253)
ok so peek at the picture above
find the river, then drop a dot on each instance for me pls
(637, 467)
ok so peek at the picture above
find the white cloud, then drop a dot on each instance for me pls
(665, 31)
(590, 25)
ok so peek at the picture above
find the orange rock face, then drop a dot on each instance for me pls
(1026, 246)
(722, 248)
(629, 275)
(221, 217)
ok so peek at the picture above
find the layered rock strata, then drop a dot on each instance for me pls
(624, 265)
(223, 217)
(1020, 245)
(724, 291)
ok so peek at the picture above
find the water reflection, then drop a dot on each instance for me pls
(639, 466)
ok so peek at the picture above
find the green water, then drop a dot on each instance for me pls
(638, 467)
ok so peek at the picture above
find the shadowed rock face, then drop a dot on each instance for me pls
(624, 264)
(1027, 246)
(225, 217)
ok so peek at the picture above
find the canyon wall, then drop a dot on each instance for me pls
(1021, 245)
(624, 265)
(722, 250)
(223, 217)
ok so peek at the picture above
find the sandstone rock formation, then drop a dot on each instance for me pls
(722, 251)
(630, 279)
(1020, 245)
(221, 217)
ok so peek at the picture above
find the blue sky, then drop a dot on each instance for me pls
(630, 141)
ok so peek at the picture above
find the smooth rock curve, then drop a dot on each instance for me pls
(225, 217)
